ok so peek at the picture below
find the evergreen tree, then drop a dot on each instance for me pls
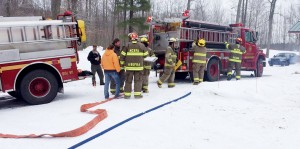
(135, 21)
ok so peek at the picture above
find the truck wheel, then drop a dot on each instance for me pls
(287, 63)
(259, 68)
(180, 75)
(38, 87)
(213, 71)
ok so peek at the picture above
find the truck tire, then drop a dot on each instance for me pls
(180, 75)
(38, 87)
(287, 63)
(259, 68)
(213, 70)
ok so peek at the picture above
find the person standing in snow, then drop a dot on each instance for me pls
(235, 58)
(132, 58)
(169, 68)
(147, 66)
(111, 66)
(95, 58)
(199, 60)
(117, 50)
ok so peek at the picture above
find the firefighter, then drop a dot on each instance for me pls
(132, 58)
(95, 58)
(169, 68)
(147, 66)
(235, 58)
(199, 60)
(117, 50)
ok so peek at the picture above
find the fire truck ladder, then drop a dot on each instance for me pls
(37, 31)
(210, 35)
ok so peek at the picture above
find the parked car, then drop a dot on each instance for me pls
(283, 59)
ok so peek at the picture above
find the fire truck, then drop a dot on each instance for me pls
(187, 31)
(38, 55)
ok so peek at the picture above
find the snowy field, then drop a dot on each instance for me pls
(253, 113)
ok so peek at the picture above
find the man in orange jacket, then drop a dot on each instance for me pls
(111, 66)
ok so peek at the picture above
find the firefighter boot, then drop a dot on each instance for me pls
(126, 97)
(145, 91)
(138, 96)
(229, 77)
(94, 83)
(195, 83)
(159, 83)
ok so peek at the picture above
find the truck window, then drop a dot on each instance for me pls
(249, 36)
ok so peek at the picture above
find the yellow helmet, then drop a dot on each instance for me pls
(172, 40)
(201, 42)
(144, 39)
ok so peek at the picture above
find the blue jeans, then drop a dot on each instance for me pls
(114, 75)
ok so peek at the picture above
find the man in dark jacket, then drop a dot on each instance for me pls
(117, 50)
(95, 58)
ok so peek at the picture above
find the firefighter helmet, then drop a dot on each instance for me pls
(133, 36)
(144, 39)
(239, 40)
(172, 40)
(201, 42)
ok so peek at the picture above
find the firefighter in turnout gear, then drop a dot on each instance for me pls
(117, 50)
(132, 58)
(147, 66)
(199, 60)
(235, 58)
(170, 62)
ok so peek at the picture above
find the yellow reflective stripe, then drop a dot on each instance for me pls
(121, 68)
(135, 54)
(134, 41)
(227, 45)
(199, 61)
(146, 53)
(199, 54)
(236, 52)
(121, 89)
(169, 60)
(118, 57)
(196, 79)
(147, 67)
(171, 84)
(238, 77)
(122, 62)
(137, 93)
(113, 90)
(201, 80)
(235, 60)
(159, 82)
(173, 55)
(229, 73)
(145, 87)
(134, 68)
(127, 93)
(123, 53)
(166, 64)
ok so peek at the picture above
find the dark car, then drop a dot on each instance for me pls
(283, 59)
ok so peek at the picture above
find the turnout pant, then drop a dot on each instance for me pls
(169, 74)
(98, 69)
(198, 72)
(122, 80)
(135, 76)
(237, 69)
(146, 74)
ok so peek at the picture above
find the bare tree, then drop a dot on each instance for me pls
(55, 8)
(271, 16)
(238, 13)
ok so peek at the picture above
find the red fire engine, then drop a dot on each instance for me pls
(37, 56)
(187, 30)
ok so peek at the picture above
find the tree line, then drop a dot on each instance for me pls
(107, 19)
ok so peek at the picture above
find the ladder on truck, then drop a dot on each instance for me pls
(37, 31)
(210, 35)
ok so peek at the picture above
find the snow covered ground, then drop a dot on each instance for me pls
(253, 113)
